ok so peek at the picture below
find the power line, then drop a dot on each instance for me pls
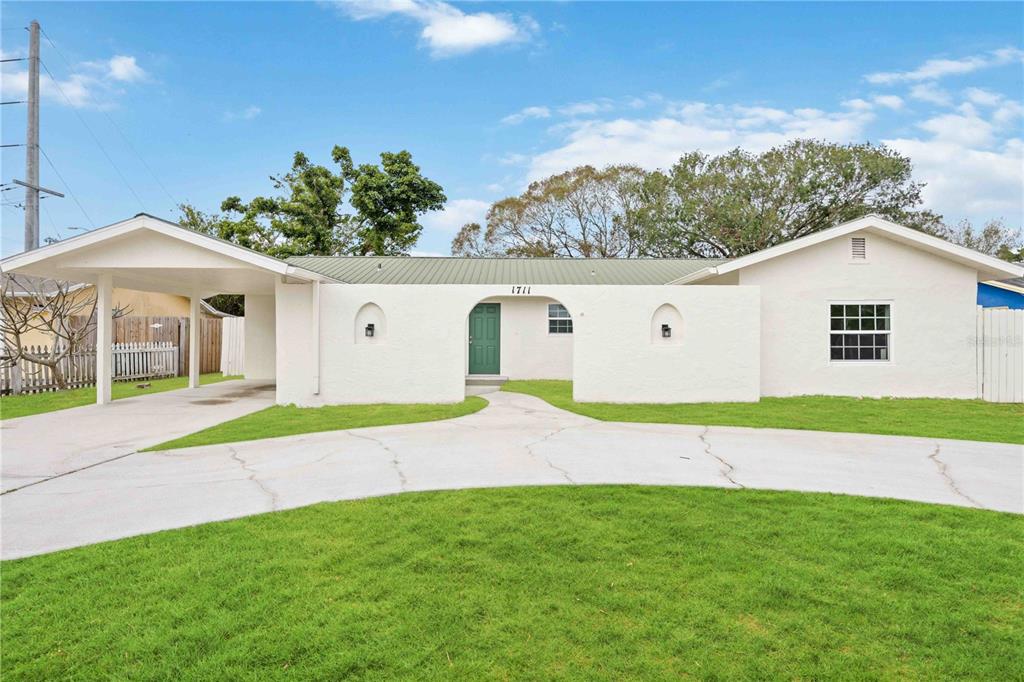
(67, 187)
(116, 127)
(5, 146)
(93, 135)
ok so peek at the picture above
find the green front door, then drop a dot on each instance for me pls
(485, 339)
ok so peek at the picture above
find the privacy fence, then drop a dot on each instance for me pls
(174, 330)
(232, 346)
(1001, 355)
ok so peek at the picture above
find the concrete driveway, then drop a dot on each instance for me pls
(42, 446)
(517, 440)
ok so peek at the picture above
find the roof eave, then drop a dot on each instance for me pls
(696, 276)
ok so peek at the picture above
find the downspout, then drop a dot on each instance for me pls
(316, 337)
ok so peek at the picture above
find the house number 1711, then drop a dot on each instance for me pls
(520, 290)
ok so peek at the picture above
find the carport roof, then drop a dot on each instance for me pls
(151, 254)
(530, 271)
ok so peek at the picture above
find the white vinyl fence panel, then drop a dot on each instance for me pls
(131, 361)
(232, 346)
(1001, 355)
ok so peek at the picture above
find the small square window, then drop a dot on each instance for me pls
(870, 324)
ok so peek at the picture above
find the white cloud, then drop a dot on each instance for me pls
(1008, 113)
(246, 114)
(124, 68)
(983, 97)
(455, 214)
(594, 107)
(95, 85)
(889, 101)
(966, 129)
(447, 30)
(525, 114)
(962, 181)
(688, 126)
(858, 104)
(513, 159)
(970, 156)
(928, 92)
(934, 69)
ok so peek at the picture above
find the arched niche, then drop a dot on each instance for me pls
(667, 314)
(371, 314)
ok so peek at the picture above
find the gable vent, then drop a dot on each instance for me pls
(858, 248)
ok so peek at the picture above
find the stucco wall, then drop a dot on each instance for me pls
(422, 356)
(260, 334)
(933, 321)
(713, 357)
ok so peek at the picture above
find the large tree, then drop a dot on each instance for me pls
(994, 238)
(738, 203)
(583, 213)
(704, 206)
(307, 215)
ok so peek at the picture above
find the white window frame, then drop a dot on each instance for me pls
(567, 316)
(829, 331)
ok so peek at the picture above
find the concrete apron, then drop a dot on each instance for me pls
(42, 446)
(516, 440)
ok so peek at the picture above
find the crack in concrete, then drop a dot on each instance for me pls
(68, 473)
(546, 460)
(403, 482)
(252, 477)
(728, 469)
(944, 472)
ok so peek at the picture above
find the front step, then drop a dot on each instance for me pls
(484, 383)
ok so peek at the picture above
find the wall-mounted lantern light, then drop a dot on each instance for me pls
(369, 329)
(666, 331)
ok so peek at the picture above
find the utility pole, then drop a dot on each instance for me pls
(32, 142)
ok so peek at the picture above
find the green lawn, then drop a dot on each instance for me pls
(12, 406)
(595, 582)
(289, 420)
(929, 417)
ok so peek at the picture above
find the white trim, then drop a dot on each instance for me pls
(873, 223)
(164, 227)
(1005, 285)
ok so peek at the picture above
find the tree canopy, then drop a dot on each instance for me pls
(307, 215)
(714, 206)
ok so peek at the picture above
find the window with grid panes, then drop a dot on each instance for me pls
(860, 331)
(559, 321)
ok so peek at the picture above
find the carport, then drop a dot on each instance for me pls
(147, 253)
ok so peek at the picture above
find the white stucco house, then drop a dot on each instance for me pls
(867, 308)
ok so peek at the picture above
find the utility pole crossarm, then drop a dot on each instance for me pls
(37, 188)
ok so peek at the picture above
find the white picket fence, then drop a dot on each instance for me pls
(1001, 355)
(144, 360)
(130, 361)
(232, 346)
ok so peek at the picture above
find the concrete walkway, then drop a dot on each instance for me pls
(517, 440)
(42, 446)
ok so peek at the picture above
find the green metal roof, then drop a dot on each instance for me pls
(439, 270)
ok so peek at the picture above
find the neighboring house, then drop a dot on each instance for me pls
(867, 308)
(135, 303)
(1007, 293)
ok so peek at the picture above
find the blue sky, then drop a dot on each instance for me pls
(214, 97)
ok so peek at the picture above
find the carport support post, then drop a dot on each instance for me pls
(193, 341)
(104, 324)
